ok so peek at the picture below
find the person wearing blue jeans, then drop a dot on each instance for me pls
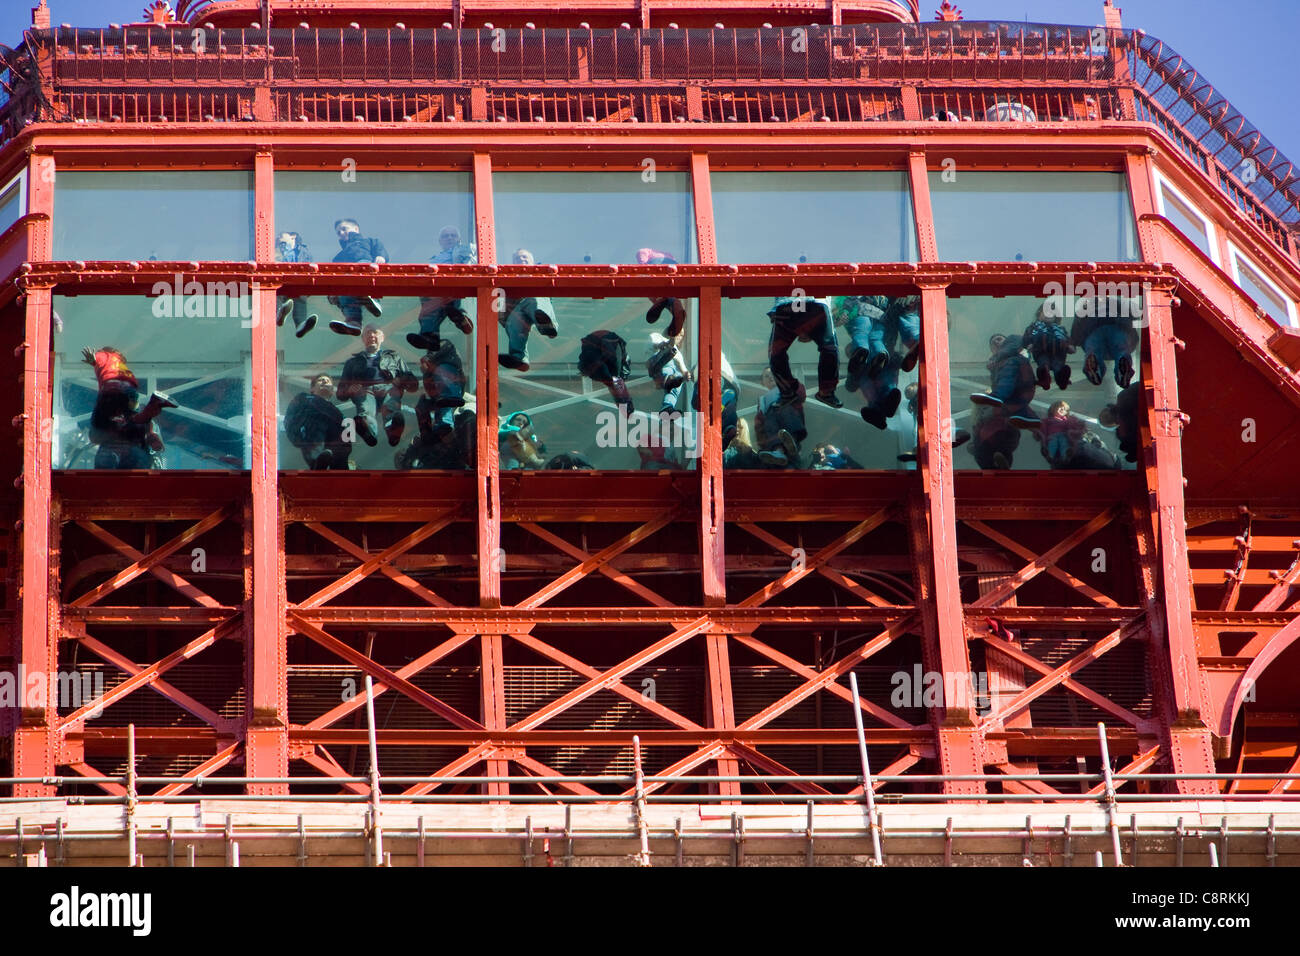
(381, 373)
(805, 320)
(779, 424)
(519, 318)
(1013, 380)
(354, 247)
(875, 324)
(1109, 342)
(289, 247)
(434, 310)
(443, 375)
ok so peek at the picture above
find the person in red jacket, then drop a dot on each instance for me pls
(123, 431)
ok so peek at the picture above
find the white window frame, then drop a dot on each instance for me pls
(21, 180)
(1236, 254)
(1161, 185)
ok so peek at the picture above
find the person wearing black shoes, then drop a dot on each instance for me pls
(314, 425)
(1048, 344)
(603, 358)
(779, 424)
(806, 320)
(379, 372)
(1122, 415)
(123, 431)
(354, 247)
(667, 368)
(675, 308)
(289, 247)
(520, 316)
(1103, 328)
(434, 310)
(443, 376)
(1013, 381)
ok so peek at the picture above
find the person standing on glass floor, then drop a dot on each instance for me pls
(803, 319)
(520, 316)
(379, 372)
(435, 310)
(354, 247)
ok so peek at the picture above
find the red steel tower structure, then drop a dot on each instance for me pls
(522, 624)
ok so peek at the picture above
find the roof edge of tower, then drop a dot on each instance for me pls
(593, 13)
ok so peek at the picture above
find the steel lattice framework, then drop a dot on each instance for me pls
(682, 578)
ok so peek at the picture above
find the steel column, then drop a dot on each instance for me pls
(266, 741)
(35, 740)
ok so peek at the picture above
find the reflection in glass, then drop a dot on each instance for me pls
(134, 391)
(165, 215)
(596, 388)
(792, 217)
(371, 216)
(783, 363)
(11, 204)
(374, 402)
(1032, 216)
(1187, 221)
(596, 217)
(1014, 388)
(1258, 288)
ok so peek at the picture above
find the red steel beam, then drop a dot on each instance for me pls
(35, 743)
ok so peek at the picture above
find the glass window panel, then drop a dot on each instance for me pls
(791, 217)
(597, 217)
(1032, 216)
(11, 209)
(1189, 222)
(603, 358)
(115, 413)
(413, 420)
(1258, 288)
(843, 334)
(167, 215)
(407, 217)
(999, 402)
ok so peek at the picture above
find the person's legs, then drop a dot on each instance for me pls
(778, 355)
(858, 349)
(1096, 348)
(390, 412)
(350, 306)
(828, 352)
(518, 323)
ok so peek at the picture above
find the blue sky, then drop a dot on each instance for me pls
(1245, 47)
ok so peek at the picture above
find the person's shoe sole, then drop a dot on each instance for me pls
(1063, 378)
(420, 341)
(509, 361)
(1123, 371)
(960, 438)
(890, 405)
(832, 400)
(1044, 378)
(1000, 461)
(343, 328)
(858, 361)
(548, 329)
(1092, 370)
(675, 381)
(874, 417)
(788, 443)
(773, 457)
(877, 364)
(909, 457)
(308, 324)
(983, 398)
(1024, 421)
(371, 306)
(910, 359)
(282, 313)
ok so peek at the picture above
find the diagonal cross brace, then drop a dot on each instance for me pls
(147, 674)
(169, 578)
(615, 674)
(858, 531)
(596, 561)
(843, 580)
(382, 673)
(401, 577)
(375, 562)
(1045, 560)
(1059, 573)
(148, 563)
(1061, 675)
(604, 567)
